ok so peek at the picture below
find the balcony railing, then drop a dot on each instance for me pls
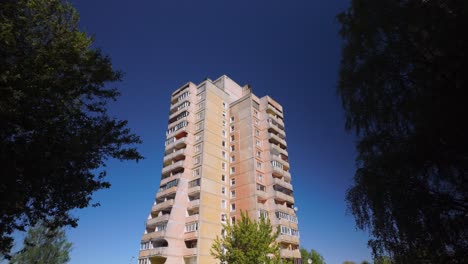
(171, 178)
(289, 239)
(194, 204)
(159, 251)
(153, 235)
(154, 221)
(176, 143)
(283, 196)
(278, 149)
(173, 166)
(190, 251)
(283, 183)
(166, 192)
(277, 139)
(163, 205)
(192, 218)
(169, 157)
(288, 253)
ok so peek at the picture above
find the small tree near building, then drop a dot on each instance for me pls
(247, 242)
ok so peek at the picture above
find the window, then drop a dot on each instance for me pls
(255, 113)
(224, 114)
(223, 154)
(196, 172)
(259, 165)
(200, 116)
(144, 246)
(223, 218)
(196, 160)
(197, 148)
(256, 122)
(198, 136)
(223, 133)
(199, 126)
(191, 227)
(233, 194)
(232, 128)
(260, 177)
(233, 207)
(233, 158)
(257, 142)
(233, 148)
(223, 190)
(224, 105)
(224, 123)
(261, 188)
(233, 181)
(199, 106)
(223, 143)
(200, 96)
(223, 166)
(223, 177)
(257, 132)
(233, 138)
(194, 183)
(232, 119)
(233, 220)
(233, 170)
(223, 204)
(259, 154)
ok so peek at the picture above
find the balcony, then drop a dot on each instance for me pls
(168, 169)
(261, 194)
(188, 108)
(171, 178)
(284, 197)
(272, 110)
(288, 253)
(191, 235)
(278, 158)
(176, 121)
(163, 205)
(152, 222)
(153, 252)
(190, 251)
(192, 218)
(174, 155)
(192, 190)
(178, 143)
(166, 192)
(286, 209)
(277, 140)
(182, 129)
(194, 204)
(275, 148)
(153, 235)
(282, 183)
(289, 239)
(273, 127)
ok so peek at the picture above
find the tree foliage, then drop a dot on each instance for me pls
(313, 255)
(403, 81)
(55, 132)
(43, 246)
(247, 242)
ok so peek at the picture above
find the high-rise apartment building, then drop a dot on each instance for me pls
(225, 152)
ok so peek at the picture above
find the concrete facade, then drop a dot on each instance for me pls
(225, 151)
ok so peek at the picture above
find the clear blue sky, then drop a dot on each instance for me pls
(289, 50)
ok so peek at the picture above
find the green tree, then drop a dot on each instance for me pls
(365, 262)
(349, 262)
(55, 133)
(313, 255)
(43, 246)
(247, 242)
(403, 82)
